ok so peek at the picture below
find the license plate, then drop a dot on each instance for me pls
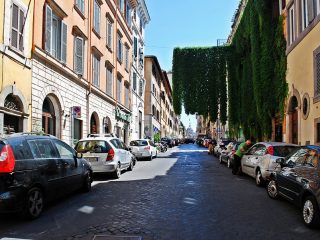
(92, 159)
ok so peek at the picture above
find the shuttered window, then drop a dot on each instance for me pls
(126, 58)
(317, 74)
(96, 70)
(128, 15)
(55, 36)
(78, 55)
(135, 47)
(121, 5)
(119, 83)
(109, 33)
(63, 42)
(96, 16)
(17, 26)
(126, 103)
(119, 48)
(134, 81)
(80, 5)
(140, 88)
(109, 81)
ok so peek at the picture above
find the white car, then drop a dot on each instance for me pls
(106, 154)
(143, 148)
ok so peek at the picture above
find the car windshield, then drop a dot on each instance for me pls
(93, 146)
(283, 151)
(296, 155)
(139, 143)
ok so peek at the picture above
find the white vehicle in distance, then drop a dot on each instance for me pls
(106, 154)
(143, 148)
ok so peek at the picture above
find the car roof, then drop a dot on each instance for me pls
(274, 144)
(141, 140)
(317, 148)
(98, 138)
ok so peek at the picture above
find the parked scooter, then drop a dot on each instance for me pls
(162, 146)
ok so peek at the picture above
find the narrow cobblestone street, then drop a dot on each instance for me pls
(183, 194)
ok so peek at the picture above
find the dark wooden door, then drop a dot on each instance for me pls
(294, 130)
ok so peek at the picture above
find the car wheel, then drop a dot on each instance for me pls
(259, 179)
(150, 158)
(117, 172)
(310, 212)
(34, 204)
(228, 163)
(220, 159)
(87, 182)
(130, 168)
(272, 189)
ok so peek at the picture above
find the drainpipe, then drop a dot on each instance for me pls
(89, 69)
(115, 64)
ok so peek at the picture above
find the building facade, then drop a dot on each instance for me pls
(152, 105)
(166, 105)
(140, 19)
(82, 58)
(16, 18)
(302, 28)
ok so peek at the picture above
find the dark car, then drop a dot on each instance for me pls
(299, 182)
(36, 169)
(169, 141)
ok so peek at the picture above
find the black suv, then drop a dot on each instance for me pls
(299, 182)
(35, 169)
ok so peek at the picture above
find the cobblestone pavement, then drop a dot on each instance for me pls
(182, 194)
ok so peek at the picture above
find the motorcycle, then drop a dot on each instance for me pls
(161, 147)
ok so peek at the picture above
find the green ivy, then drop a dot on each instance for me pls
(256, 66)
(199, 81)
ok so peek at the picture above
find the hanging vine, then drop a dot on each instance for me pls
(255, 64)
(199, 81)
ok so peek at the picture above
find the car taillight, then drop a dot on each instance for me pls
(110, 155)
(147, 148)
(7, 160)
(270, 150)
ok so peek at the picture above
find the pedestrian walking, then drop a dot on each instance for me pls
(243, 147)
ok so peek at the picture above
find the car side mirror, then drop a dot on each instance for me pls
(79, 155)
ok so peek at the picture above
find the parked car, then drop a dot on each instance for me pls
(206, 142)
(231, 155)
(36, 169)
(143, 148)
(226, 155)
(299, 182)
(106, 154)
(221, 145)
(169, 141)
(260, 160)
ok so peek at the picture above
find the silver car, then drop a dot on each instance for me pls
(106, 154)
(143, 148)
(260, 161)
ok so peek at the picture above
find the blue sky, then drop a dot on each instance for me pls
(186, 23)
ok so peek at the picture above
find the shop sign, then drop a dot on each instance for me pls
(122, 115)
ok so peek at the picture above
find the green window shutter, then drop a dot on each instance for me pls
(135, 47)
(48, 29)
(64, 33)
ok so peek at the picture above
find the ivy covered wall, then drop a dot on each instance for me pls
(255, 64)
(257, 71)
